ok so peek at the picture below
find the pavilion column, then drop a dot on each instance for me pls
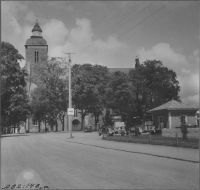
(169, 120)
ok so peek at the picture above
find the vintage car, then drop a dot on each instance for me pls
(88, 128)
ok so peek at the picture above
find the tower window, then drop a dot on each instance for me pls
(36, 56)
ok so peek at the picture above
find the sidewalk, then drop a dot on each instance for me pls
(177, 153)
(92, 139)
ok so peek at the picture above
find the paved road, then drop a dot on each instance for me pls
(53, 160)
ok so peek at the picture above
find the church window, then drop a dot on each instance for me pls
(36, 56)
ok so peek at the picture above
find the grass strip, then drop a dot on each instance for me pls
(156, 140)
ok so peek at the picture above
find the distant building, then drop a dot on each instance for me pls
(168, 115)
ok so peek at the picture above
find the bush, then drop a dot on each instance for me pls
(184, 131)
(122, 133)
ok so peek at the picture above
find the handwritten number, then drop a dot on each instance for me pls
(13, 186)
(27, 185)
(19, 186)
(31, 185)
(37, 186)
(6, 187)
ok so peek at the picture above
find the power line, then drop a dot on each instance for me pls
(129, 30)
(126, 15)
(160, 18)
(104, 17)
(107, 14)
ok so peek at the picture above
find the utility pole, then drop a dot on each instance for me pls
(70, 96)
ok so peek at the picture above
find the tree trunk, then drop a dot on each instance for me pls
(14, 129)
(39, 125)
(56, 125)
(63, 123)
(82, 122)
(96, 120)
(45, 124)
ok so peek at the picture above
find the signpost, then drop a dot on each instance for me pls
(70, 111)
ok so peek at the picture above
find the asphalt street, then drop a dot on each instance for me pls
(88, 162)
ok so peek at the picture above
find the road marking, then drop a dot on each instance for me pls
(180, 159)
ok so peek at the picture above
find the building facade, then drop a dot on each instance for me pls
(36, 50)
(168, 115)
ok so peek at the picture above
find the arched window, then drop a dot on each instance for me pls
(36, 56)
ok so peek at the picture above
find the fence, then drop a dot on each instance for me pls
(192, 133)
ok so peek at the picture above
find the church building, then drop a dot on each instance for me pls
(36, 50)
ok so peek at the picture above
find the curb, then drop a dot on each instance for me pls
(136, 152)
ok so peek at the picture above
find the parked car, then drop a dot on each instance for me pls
(88, 128)
(119, 130)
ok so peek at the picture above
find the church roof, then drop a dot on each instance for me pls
(36, 41)
(125, 70)
(174, 105)
(36, 27)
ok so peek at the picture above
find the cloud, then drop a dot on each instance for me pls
(189, 89)
(166, 54)
(12, 31)
(55, 32)
(186, 68)
(62, 5)
(82, 34)
(81, 40)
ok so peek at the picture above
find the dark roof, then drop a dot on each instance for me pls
(36, 41)
(36, 27)
(174, 105)
(125, 70)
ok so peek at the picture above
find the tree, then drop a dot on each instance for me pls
(40, 105)
(88, 88)
(14, 100)
(120, 95)
(154, 85)
(50, 96)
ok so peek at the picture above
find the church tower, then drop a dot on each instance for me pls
(36, 50)
(137, 62)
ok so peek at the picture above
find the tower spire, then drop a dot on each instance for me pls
(37, 31)
(137, 62)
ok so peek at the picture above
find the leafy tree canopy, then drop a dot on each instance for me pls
(50, 98)
(88, 88)
(14, 99)
(154, 85)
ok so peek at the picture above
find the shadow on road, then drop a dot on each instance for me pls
(12, 135)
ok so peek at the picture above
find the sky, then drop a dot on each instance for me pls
(113, 33)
